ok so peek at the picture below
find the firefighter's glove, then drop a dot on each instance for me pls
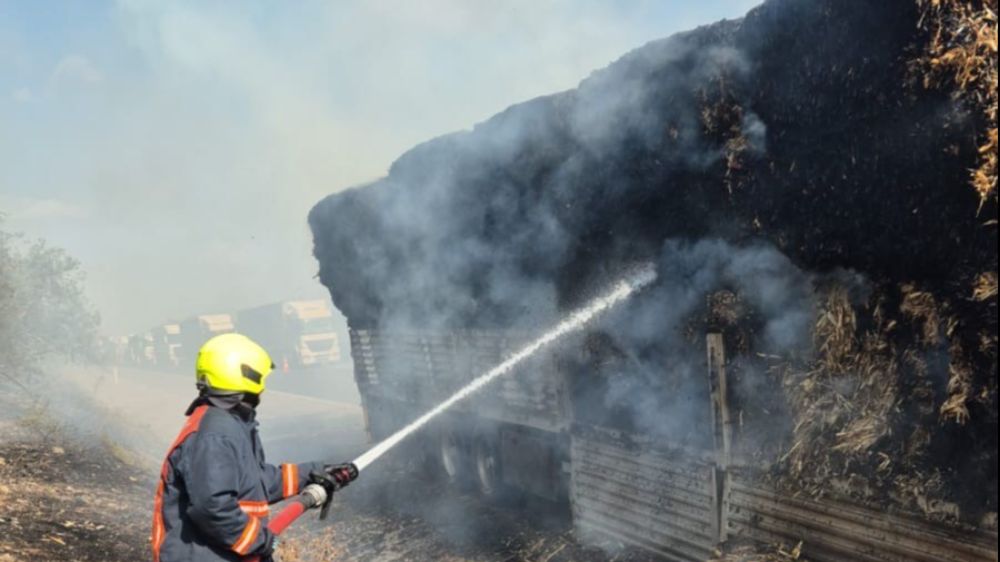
(343, 474)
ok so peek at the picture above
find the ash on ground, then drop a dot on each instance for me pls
(63, 499)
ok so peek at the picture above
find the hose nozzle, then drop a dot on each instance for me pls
(344, 474)
(331, 479)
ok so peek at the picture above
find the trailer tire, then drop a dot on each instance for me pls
(486, 462)
(453, 453)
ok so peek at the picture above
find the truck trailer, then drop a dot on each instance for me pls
(196, 330)
(677, 494)
(167, 343)
(816, 364)
(141, 349)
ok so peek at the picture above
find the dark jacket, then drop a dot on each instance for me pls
(215, 488)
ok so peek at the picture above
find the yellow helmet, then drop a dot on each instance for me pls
(232, 363)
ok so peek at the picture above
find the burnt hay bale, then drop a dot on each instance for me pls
(840, 133)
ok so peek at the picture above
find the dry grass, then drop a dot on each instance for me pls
(865, 409)
(962, 54)
(870, 411)
(758, 553)
(922, 489)
(725, 308)
(963, 51)
(361, 533)
(722, 117)
(842, 405)
(924, 311)
(922, 308)
(960, 389)
(984, 290)
(312, 548)
(985, 287)
(66, 500)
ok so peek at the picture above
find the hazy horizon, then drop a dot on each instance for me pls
(175, 148)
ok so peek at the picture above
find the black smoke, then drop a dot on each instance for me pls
(758, 156)
(848, 166)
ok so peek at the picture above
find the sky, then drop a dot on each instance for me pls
(175, 148)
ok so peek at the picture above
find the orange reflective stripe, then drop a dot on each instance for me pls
(289, 480)
(255, 508)
(242, 545)
(159, 531)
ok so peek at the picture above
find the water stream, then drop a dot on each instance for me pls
(575, 321)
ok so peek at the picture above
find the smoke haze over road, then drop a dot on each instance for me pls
(176, 148)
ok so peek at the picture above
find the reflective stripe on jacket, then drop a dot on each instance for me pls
(215, 488)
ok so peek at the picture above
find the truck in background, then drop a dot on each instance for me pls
(195, 330)
(296, 333)
(140, 349)
(167, 344)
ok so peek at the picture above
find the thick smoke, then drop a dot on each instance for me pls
(481, 225)
(643, 369)
(752, 160)
(734, 131)
(764, 277)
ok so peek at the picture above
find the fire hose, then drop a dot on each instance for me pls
(319, 493)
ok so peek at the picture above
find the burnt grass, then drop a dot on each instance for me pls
(68, 498)
(62, 499)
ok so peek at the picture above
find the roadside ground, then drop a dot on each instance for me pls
(78, 468)
(65, 499)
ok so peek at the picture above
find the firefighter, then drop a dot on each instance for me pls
(215, 486)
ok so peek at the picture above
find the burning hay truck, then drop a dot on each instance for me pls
(817, 362)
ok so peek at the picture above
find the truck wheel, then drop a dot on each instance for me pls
(454, 459)
(487, 464)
